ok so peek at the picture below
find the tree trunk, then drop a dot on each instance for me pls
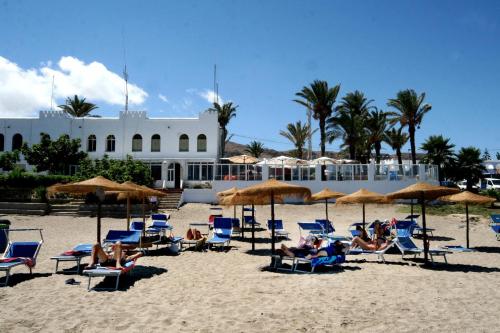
(322, 122)
(400, 158)
(378, 146)
(411, 131)
(223, 141)
(352, 151)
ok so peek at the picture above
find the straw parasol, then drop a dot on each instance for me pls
(468, 198)
(326, 194)
(423, 191)
(97, 185)
(243, 159)
(272, 189)
(363, 196)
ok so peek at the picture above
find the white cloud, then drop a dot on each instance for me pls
(25, 91)
(163, 98)
(210, 96)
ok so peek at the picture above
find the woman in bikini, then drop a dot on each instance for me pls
(378, 242)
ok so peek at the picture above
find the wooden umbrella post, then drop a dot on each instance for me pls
(243, 222)
(467, 222)
(253, 228)
(128, 212)
(326, 208)
(273, 226)
(411, 209)
(364, 228)
(99, 204)
(424, 226)
(143, 216)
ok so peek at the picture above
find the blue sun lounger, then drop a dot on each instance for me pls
(279, 231)
(249, 220)
(495, 225)
(313, 228)
(101, 271)
(406, 245)
(20, 253)
(221, 232)
(327, 225)
(125, 237)
(330, 260)
(74, 255)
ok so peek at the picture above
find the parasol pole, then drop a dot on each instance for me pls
(143, 216)
(99, 220)
(424, 225)
(364, 216)
(243, 222)
(128, 212)
(273, 226)
(326, 208)
(467, 221)
(411, 209)
(253, 228)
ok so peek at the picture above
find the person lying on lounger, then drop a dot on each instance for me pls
(335, 250)
(377, 243)
(116, 258)
(306, 247)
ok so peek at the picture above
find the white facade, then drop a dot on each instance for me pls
(202, 136)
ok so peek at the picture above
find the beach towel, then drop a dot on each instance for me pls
(27, 261)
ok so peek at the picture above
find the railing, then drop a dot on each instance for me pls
(345, 172)
(292, 172)
(395, 172)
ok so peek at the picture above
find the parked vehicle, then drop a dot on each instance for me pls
(490, 183)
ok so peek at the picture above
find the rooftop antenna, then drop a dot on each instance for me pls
(125, 73)
(216, 85)
(309, 139)
(52, 95)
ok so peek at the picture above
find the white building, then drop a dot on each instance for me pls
(167, 144)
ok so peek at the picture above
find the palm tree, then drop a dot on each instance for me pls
(255, 148)
(350, 122)
(396, 139)
(225, 113)
(469, 166)
(410, 110)
(439, 151)
(297, 133)
(377, 126)
(319, 98)
(77, 107)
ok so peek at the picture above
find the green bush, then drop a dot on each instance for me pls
(40, 193)
(19, 179)
(491, 193)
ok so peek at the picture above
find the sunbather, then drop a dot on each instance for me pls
(305, 248)
(115, 258)
(335, 250)
(377, 243)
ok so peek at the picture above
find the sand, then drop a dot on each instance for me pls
(230, 291)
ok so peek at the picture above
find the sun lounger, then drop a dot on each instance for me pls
(75, 255)
(352, 229)
(457, 248)
(137, 226)
(236, 227)
(327, 225)
(160, 217)
(279, 231)
(204, 229)
(108, 272)
(317, 262)
(406, 245)
(221, 232)
(132, 238)
(312, 228)
(495, 225)
(417, 229)
(20, 253)
(249, 220)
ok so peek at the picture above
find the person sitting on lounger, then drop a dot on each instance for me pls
(378, 242)
(335, 250)
(363, 234)
(116, 258)
(305, 248)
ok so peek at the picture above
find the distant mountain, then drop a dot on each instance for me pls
(234, 148)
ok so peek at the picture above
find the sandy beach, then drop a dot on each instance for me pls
(232, 292)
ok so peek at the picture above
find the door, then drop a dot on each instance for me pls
(177, 175)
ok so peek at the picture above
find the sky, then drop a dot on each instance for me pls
(265, 52)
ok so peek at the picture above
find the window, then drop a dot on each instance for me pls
(2, 139)
(200, 171)
(183, 143)
(17, 141)
(202, 143)
(156, 171)
(110, 143)
(137, 142)
(91, 143)
(155, 143)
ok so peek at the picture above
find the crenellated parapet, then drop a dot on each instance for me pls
(53, 114)
(133, 115)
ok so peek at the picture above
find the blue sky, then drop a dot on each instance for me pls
(265, 52)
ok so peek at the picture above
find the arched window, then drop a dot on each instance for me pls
(110, 143)
(155, 143)
(17, 141)
(91, 143)
(184, 143)
(2, 142)
(202, 143)
(137, 142)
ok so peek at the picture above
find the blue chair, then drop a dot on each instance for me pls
(352, 229)
(279, 230)
(235, 223)
(74, 255)
(132, 237)
(313, 228)
(221, 232)
(495, 224)
(331, 259)
(19, 253)
(408, 226)
(249, 220)
(160, 217)
(406, 245)
(327, 225)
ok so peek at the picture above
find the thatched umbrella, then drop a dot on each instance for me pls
(326, 194)
(223, 194)
(423, 191)
(97, 185)
(243, 159)
(363, 196)
(468, 198)
(272, 189)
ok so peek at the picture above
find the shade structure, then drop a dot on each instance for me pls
(326, 194)
(363, 196)
(423, 191)
(273, 189)
(225, 193)
(467, 198)
(324, 160)
(94, 185)
(243, 159)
